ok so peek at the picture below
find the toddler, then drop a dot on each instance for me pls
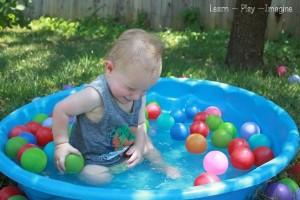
(110, 112)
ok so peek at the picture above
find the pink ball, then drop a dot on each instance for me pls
(206, 178)
(213, 110)
(281, 70)
(215, 162)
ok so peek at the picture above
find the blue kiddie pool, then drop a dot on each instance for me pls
(142, 182)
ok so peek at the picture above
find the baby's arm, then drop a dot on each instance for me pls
(78, 103)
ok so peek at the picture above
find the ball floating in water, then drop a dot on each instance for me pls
(48, 122)
(179, 132)
(74, 163)
(206, 178)
(196, 143)
(34, 160)
(221, 138)
(237, 142)
(242, 158)
(17, 130)
(178, 115)
(49, 150)
(259, 140)
(230, 128)
(44, 136)
(40, 117)
(213, 110)
(13, 145)
(153, 111)
(200, 116)
(248, 129)
(33, 127)
(23, 149)
(191, 111)
(165, 121)
(278, 191)
(290, 183)
(262, 155)
(29, 137)
(215, 162)
(213, 122)
(199, 127)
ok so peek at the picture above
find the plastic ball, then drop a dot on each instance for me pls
(262, 155)
(206, 178)
(294, 171)
(200, 116)
(215, 162)
(281, 70)
(290, 183)
(191, 111)
(213, 110)
(23, 149)
(179, 132)
(259, 140)
(34, 160)
(29, 137)
(153, 111)
(165, 121)
(294, 78)
(278, 191)
(248, 129)
(179, 116)
(17, 197)
(33, 127)
(44, 136)
(40, 117)
(221, 138)
(67, 87)
(297, 195)
(242, 158)
(13, 145)
(9, 191)
(199, 127)
(196, 143)
(48, 122)
(213, 122)
(17, 130)
(49, 150)
(237, 142)
(74, 163)
(230, 128)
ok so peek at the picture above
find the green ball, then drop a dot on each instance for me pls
(13, 145)
(40, 117)
(213, 122)
(17, 197)
(221, 138)
(165, 121)
(34, 160)
(290, 183)
(230, 128)
(74, 163)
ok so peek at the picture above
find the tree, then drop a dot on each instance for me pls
(247, 37)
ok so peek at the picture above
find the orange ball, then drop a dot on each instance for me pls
(196, 143)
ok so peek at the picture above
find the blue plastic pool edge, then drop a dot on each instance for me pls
(69, 190)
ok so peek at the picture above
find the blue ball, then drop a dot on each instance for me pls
(259, 140)
(179, 116)
(191, 111)
(248, 129)
(48, 122)
(29, 137)
(179, 132)
(165, 121)
(278, 191)
(49, 150)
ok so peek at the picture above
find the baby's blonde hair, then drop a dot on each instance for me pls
(136, 45)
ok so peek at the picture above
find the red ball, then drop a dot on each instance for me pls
(294, 171)
(281, 70)
(24, 148)
(33, 127)
(199, 127)
(242, 158)
(9, 191)
(44, 136)
(200, 116)
(153, 110)
(262, 155)
(237, 142)
(17, 130)
(206, 178)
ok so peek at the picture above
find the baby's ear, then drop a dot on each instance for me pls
(108, 65)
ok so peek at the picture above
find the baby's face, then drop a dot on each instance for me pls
(132, 82)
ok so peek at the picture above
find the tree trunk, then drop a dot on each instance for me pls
(246, 45)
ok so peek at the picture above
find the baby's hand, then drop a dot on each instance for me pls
(61, 151)
(135, 156)
(172, 172)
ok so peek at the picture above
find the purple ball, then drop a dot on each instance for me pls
(279, 191)
(297, 194)
(248, 129)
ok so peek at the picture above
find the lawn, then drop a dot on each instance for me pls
(39, 61)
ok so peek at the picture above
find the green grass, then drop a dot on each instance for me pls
(55, 52)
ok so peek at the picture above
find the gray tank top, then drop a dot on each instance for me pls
(105, 141)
